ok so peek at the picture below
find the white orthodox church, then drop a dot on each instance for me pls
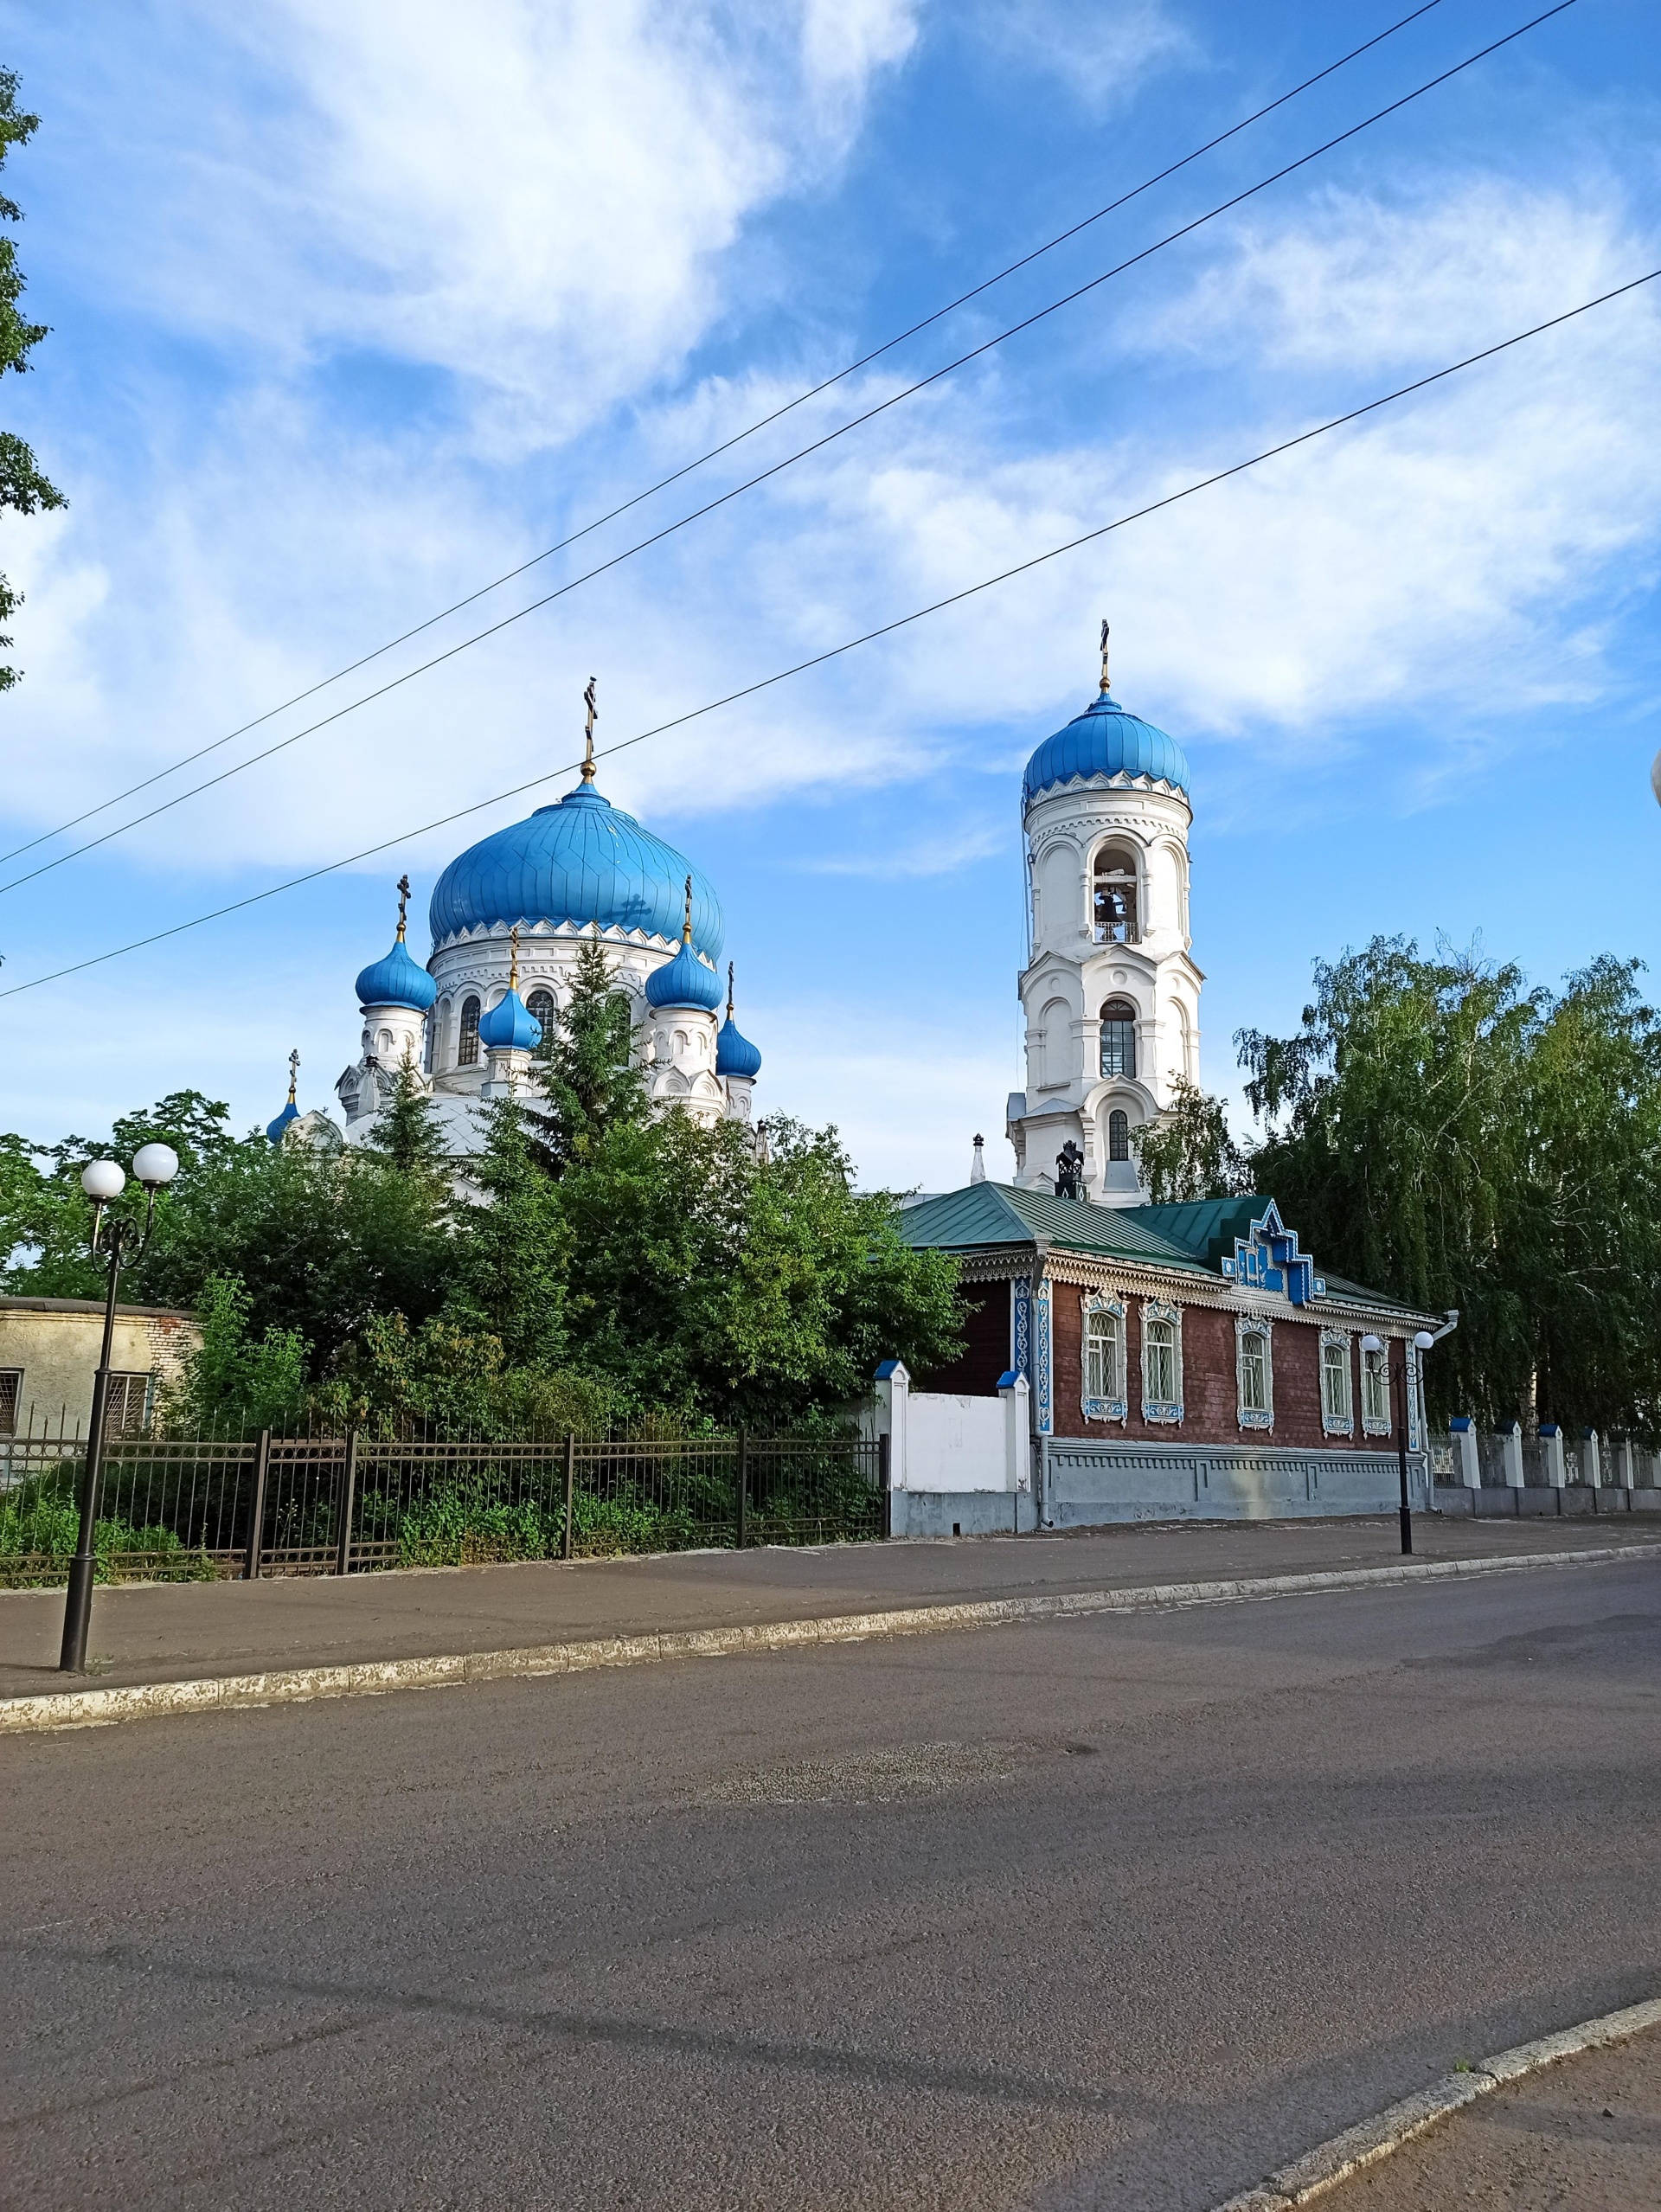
(1110, 991)
(507, 916)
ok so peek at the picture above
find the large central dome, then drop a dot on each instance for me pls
(581, 861)
(1104, 740)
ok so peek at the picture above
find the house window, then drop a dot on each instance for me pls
(12, 1391)
(467, 1044)
(1119, 1038)
(1104, 1360)
(1119, 1134)
(1335, 1415)
(540, 1007)
(1162, 1363)
(1115, 897)
(1253, 1373)
(125, 1404)
(1375, 1393)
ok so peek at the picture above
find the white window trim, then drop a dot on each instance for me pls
(1371, 1425)
(1253, 1325)
(1102, 1409)
(1338, 1424)
(1162, 1409)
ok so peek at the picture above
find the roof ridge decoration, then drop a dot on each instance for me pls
(1270, 1258)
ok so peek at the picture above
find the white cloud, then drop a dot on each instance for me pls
(1098, 51)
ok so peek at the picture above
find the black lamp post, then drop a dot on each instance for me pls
(117, 1243)
(1422, 1342)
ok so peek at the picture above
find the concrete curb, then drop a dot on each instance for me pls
(82, 1708)
(1333, 2162)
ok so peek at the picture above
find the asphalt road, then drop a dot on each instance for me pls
(1117, 1911)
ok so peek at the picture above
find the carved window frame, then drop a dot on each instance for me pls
(1253, 1325)
(1376, 1424)
(1169, 1410)
(1334, 1423)
(1109, 1408)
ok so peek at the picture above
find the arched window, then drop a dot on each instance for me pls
(467, 1043)
(1118, 1037)
(1115, 897)
(540, 1007)
(1119, 1134)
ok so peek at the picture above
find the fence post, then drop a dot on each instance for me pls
(348, 1499)
(257, 1514)
(743, 1485)
(885, 1474)
(570, 1490)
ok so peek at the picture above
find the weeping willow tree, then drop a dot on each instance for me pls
(1439, 1130)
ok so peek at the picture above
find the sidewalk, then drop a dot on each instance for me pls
(190, 1631)
(1586, 2133)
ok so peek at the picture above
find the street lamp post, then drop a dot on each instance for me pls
(1422, 1342)
(103, 1180)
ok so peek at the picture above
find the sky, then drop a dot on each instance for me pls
(356, 308)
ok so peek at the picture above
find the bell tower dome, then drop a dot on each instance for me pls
(1110, 993)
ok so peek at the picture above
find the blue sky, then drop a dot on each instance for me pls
(354, 306)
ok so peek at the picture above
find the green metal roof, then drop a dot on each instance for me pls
(1195, 1238)
(984, 1216)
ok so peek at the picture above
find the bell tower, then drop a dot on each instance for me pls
(1110, 993)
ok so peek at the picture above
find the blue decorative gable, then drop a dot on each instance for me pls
(1269, 1259)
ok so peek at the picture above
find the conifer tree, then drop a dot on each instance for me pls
(585, 1067)
(509, 1266)
(405, 1132)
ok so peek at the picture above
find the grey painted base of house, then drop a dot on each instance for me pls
(1490, 1502)
(1087, 1484)
(964, 1513)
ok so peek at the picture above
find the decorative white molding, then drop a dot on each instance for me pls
(1259, 1325)
(1162, 1409)
(1338, 1424)
(1114, 1406)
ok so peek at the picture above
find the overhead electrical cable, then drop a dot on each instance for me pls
(804, 452)
(750, 430)
(850, 645)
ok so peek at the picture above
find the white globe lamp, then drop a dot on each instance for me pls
(102, 1180)
(154, 1166)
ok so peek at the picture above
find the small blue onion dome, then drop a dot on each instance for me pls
(684, 981)
(1104, 740)
(396, 981)
(274, 1130)
(735, 1053)
(510, 1026)
(582, 861)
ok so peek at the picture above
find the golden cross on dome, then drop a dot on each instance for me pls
(293, 1073)
(403, 905)
(686, 929)
(729, 990)
(1104, 655)
(588, 733)
(513, 958)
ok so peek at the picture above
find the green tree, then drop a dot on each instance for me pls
(1190, 1153)
(507, 1269)
(704, 1281)
(23, 486)
(1444, 1133)
(407, 1134)
(585, 1071)
(234, 1381)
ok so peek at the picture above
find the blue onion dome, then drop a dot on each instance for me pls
(735, 1053)
(684, 981)
(509, 1025)
(1104, 740)
(583, 860)
(274, 1130)
(396, 981)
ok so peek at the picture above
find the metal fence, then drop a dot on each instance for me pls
(182, 1510)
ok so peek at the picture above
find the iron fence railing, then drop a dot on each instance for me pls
(200, 1509)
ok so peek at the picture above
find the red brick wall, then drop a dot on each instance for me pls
(986, 1355)
(1210, 1402)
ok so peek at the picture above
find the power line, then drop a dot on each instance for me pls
(851, 644)
(803, 452)
(762, 422)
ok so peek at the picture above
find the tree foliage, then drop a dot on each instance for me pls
(1191, 1152)
(1440, 1131)
(24, 488)
(586, 1078)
